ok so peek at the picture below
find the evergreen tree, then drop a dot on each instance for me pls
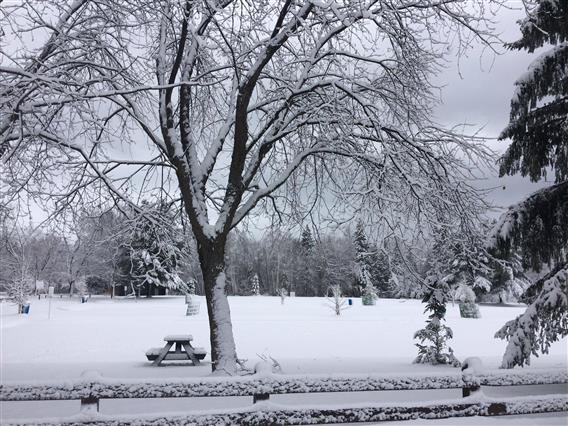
(538, 126)
(255, 285)
(538, 226)
(307, 241)
(191, 286)
(364, 265)
(307, 273)
(381, 274)
(433, 338)
(153, 253)
(545, 321)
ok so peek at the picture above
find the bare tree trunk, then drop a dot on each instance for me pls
(223, 350)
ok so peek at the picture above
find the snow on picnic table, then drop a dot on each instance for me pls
(303, 335)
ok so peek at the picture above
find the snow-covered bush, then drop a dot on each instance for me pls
(433, 338)
(369, 295)
(466, 297)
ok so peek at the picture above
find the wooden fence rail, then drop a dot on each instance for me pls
(91, 388)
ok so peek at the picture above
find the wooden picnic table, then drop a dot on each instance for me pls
(183, 351)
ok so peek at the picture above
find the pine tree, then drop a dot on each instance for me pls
(153, 253)
(191, 286)
(545, 321)
(363, 266)
(433, 338)
(538, 124)
(538, 226)
(255, 285)
(307, 241)
(307, 274)
(381, 273)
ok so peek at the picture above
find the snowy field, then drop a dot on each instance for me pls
(111, 336)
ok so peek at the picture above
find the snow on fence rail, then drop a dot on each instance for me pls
(93, 387)
(271, 414)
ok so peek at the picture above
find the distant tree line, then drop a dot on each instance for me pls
(144, 253)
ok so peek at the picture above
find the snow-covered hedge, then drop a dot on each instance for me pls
(226, 386)
(270, 414)
(102, 387)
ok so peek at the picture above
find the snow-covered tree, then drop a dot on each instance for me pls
(19, 290)
(433, 338)
(306, 273)
(458, 256)
(153, 251)
(466, 298)
(335, 299)
(538, 225)
(538, 126)
(255, 285)
(382, 274)
(231, 106)
(545, 321)
(363, 265)
(190, 286)
(282, 293)
(307, 242)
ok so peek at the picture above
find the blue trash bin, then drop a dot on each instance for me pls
(350, 301)
(26, 308)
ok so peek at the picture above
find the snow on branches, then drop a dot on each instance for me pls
(537, 226)
(545, 321)
(434, 336)
(153, 252)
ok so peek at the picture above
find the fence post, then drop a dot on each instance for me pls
(470, 368)
(90, 404)
(260, 397)
(467, 390)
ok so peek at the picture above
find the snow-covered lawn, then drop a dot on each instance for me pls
(304, 335)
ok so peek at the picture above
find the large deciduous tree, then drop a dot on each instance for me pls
(232, 105)
(538, 226)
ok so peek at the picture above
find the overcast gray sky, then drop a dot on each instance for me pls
(481, 97)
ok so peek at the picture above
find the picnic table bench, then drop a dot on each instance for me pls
(183, 351)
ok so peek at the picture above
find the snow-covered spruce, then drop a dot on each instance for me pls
(153, 252)
(537, 125)
(431, 349)
(537, 227)
(255, 285)
(545, 321)
(370, 267)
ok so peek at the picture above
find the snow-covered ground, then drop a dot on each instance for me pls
(304, 335)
